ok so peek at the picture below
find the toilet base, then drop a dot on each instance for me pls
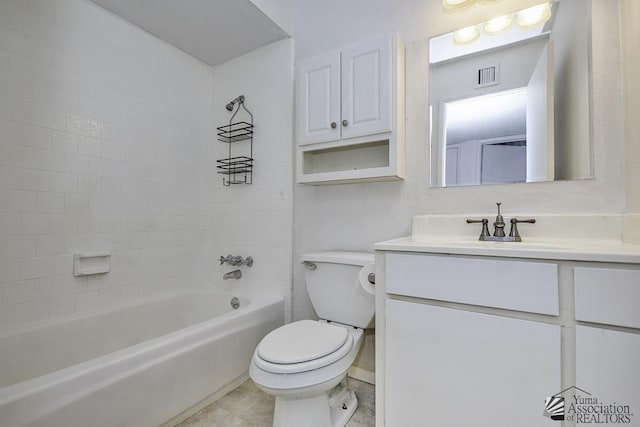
(329, 409)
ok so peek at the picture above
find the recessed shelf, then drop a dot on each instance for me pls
(352, 157)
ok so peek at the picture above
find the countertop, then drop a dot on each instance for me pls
(572, 250)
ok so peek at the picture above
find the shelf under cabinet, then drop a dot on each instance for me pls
(368, 161)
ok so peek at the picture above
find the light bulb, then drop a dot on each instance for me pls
(456, 4)
(534, 16)
(466, 35)
(498, 24)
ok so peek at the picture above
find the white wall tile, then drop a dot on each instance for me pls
(50, 202)
(36, 180)
(106, 144)
(18, 292)
(35, 223)
(37, 137)
(17, 246)
(87, 301)
(10, 223)
(10, 178)
(62, 306)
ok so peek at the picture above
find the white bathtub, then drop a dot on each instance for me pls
(137, 365)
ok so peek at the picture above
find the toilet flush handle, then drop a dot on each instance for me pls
(310, 265)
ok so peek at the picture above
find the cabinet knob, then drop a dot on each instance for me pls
(345, 123)
(333, 125)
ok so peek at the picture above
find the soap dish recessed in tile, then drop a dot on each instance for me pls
(91, 263)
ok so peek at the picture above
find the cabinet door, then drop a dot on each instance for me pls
(366, 88)
(446, 367)
(607, 373)
(318, 99)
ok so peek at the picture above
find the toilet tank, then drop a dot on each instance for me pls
(335, 290)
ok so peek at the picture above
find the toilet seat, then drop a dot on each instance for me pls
(302, 346)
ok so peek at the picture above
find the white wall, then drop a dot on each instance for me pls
(571, 51)
(630, 16)
(256, 219)
(355, 216)
(105, 134)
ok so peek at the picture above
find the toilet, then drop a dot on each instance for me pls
(304, 364)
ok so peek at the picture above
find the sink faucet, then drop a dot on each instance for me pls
(235, 274)
(498, 225)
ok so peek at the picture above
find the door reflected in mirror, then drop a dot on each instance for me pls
(512, 106)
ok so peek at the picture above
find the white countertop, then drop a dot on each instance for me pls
(576, 250)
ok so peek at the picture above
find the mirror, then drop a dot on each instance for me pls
(511, 104)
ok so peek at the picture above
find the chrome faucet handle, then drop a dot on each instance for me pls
(223, 259)
(514, 227)
(485, 228)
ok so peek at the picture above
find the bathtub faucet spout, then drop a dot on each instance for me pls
(235, 274)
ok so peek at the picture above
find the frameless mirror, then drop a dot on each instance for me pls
(509, 99)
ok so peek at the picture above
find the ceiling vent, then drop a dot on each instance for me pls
(487, 76)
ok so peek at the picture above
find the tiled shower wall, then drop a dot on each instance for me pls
(105, 139)
(257, 219)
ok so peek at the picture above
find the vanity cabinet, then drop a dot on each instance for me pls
(449, 359)
(608, 341)
(451, 367)
(483, 340)
(350, 113)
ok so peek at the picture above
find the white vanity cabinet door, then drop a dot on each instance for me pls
(447, 367)
(318, 99)
(366, 88)
(607, 367)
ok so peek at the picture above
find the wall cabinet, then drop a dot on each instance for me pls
(484, 340)
(350, 113)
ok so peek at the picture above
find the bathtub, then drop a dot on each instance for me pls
(135, 365)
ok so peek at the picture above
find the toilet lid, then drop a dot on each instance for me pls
(301, 341)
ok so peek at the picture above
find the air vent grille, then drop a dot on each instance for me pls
(487, 76)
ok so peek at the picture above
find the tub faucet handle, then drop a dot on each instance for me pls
(223, 259)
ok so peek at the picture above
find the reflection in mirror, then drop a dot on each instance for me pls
(509, 99)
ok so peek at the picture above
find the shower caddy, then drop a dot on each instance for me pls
(237, 169)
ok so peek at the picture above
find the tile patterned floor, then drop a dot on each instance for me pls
(248, 406)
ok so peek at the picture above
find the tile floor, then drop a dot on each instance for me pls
(248, 406)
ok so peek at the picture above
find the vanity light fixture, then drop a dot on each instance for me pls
(526, 19)
(498, 24)
(534, 16)
(466, 35)
(456, 4)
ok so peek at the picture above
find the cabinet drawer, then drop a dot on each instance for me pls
(608, 296)
(514, 285)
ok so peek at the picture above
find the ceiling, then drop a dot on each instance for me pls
(213, 31)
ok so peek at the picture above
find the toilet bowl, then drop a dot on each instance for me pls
(305, 386)
(304, 364)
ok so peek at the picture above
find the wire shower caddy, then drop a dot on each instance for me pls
(236, 169)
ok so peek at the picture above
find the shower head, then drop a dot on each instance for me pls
(230, 105)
